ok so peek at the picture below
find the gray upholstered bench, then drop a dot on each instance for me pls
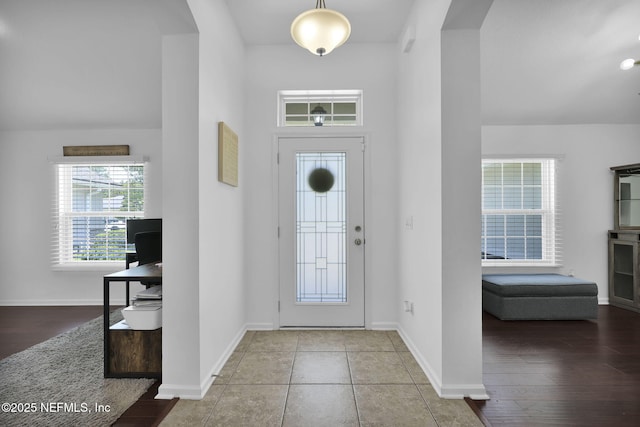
(539, 297)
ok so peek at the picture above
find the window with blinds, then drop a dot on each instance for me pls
(92, 203)
(520, 215)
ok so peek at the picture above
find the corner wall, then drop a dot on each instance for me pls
(203, 261)
(181, 374)
(221, 222)
(440, 203)
(420, 187)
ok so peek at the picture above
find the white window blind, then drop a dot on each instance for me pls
(520, 213)
(92, 202)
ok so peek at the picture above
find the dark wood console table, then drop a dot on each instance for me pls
(147, 362)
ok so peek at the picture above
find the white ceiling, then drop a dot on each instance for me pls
(96, 63)
(557, 61)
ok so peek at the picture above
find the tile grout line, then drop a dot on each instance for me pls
(353, 388)
(293, 362)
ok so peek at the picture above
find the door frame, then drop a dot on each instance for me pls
(330, 133)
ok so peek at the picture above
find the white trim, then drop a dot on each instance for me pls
(260, 327)
(168, 391)
(106, 267)
(433, 377)
(460, 391)
(384, 326)
(559, 157)
(457, 391)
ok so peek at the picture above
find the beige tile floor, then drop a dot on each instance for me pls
(321, 378)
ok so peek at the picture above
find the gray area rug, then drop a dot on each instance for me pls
(60, 382)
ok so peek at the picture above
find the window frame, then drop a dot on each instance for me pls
(549, 211)
(319, 97)
(62, 256)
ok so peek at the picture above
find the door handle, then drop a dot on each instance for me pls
(358, 242)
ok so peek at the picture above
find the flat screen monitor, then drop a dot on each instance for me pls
(140, 225)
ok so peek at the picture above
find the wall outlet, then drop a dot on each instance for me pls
(408, 223)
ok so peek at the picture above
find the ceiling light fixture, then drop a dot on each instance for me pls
(320, 30)
(628, 64)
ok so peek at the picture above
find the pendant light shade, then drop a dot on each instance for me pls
(320, 30)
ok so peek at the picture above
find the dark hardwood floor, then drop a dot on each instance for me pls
(22, 327)
(562, 373)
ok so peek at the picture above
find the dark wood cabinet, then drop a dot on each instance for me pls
(135, 353)
(624, 239)
(624, 269)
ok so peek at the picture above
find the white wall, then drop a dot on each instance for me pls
(26, 276)
(461, 270)
(181, 374)
(420, 192)
(585, 185)
(222, 263)
(352, 66)
(439, 128)
(203, 257)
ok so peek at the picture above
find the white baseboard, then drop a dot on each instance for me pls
(259, 327)
(168, 391)
(434, 379)
(217, 367)
(384, 326)
(474, 391)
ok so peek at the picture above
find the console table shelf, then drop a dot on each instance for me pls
(127, 352)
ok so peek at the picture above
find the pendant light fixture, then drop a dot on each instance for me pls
(628, 64)
(320, 30)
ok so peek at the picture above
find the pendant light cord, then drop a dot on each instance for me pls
(320, 4)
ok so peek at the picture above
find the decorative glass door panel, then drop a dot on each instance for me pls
(321, 227)
(321, 243)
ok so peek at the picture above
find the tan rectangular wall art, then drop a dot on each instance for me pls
(227, 155)
(95, 150)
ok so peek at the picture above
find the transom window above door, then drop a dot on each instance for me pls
(313, 108)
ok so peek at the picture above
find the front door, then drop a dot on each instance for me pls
(321, 229)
